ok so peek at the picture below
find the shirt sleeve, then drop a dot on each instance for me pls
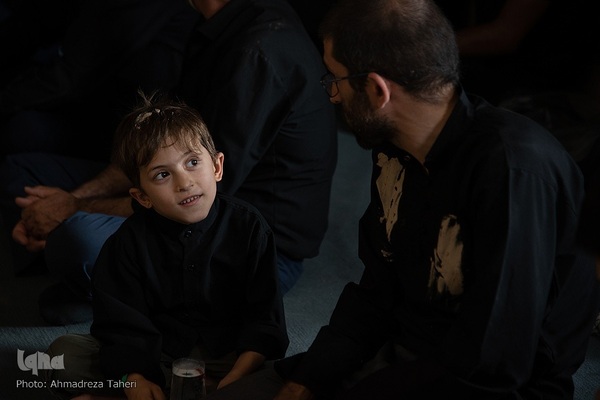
(129, 340)
(264, 329)
(358, 327)
(520, 246)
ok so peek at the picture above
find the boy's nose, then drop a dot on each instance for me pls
(184, 186)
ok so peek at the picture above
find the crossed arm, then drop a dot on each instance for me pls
(45, 208)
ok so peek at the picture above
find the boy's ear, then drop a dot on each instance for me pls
(218, 166)
(378, 90)
(141, 197)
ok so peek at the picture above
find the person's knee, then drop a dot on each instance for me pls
(78, 354)
(77, 234)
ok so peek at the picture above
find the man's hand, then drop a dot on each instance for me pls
(294, 391)
(44, 208)
(143, 389)
(31, 243)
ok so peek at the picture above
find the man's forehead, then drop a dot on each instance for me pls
(326, 51)
(333, 65)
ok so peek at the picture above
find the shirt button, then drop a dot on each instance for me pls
(191, 267)
(188, 233)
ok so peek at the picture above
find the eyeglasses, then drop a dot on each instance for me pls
(330, 82)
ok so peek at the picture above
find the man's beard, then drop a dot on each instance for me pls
(370, 131)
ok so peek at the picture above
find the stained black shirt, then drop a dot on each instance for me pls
(470, 262)
(253, 73)
(161, 286)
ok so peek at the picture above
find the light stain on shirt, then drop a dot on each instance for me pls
(389, 184)
(446, 264)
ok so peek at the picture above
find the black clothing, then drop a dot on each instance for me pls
(108, 51)
(470, 264)
(588, 233)
(253, 73)
(557, 54)
(159, 285)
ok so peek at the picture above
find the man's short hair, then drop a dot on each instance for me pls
(148, 127)
(410, 42)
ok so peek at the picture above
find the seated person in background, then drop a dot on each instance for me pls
(264, 106)
(513, 48)
(474, 286)
(191, 273)
(100, 52)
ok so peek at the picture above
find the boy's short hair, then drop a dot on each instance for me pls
(145, 130)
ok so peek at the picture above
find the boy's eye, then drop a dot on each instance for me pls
(192, 163)
(161, 175)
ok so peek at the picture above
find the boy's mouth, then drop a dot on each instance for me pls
(189, 200)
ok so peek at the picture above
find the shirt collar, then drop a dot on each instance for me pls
(449, 137)
(456, 127)
(176, 229)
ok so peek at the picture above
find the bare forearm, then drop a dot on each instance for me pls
(119, 206)
(111, 182)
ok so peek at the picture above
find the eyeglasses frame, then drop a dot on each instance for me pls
(329, 80)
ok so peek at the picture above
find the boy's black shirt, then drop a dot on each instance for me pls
(161, 286)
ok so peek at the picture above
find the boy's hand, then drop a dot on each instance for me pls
(294, 391)
(246, 363)
(143, 389)
(229, 378)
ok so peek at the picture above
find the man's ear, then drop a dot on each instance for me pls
(218, 166)
(378, 90)
(141, 197)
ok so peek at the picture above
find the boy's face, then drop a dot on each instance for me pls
(180, 184)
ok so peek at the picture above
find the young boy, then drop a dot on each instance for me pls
(191, 273)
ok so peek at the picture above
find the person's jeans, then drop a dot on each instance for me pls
(72, 248)
(289, 272)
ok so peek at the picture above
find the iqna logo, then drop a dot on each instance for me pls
(38, 361)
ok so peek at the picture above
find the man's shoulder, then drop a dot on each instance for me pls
(235, 208)
(513, 130)
(270, 27)
(501, 136)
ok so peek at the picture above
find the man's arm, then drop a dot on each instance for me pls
(110, 182)
(504, 34)
(45, 208)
